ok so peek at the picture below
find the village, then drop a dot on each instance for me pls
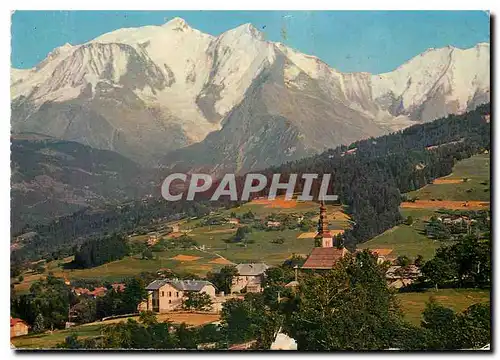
(166, 295)
(196, 271)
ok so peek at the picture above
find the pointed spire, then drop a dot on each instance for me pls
(322, 222)
(323, 237)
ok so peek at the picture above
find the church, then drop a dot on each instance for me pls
(325, 253)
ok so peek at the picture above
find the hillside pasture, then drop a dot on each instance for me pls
(404, 240)
(413, 303)
(132, 265)
(470, 180)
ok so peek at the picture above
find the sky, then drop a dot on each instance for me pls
(349, 41)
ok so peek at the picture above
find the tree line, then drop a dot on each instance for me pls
(347, 308)
(369, 182)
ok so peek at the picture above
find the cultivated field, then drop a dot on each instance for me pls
(410, 240)
(47, 340)
(259, 247)
(413, 304)
(312, 234)
(192, 261)
(446, 204)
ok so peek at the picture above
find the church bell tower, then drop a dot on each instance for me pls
(323, 238)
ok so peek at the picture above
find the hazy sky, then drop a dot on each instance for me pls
(347, 40)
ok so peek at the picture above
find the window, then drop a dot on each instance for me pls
(162, 294)
(177, 294)
(170, 294)
(170, 301)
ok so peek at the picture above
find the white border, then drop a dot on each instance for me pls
(186, 5)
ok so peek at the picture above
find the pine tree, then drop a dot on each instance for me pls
(39, 325)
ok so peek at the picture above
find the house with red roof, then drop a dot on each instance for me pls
(18, 327)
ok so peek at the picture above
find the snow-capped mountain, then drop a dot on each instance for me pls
(171, 94)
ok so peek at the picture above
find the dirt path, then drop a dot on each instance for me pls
(222, 260)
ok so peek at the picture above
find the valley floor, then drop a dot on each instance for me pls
(412, 305)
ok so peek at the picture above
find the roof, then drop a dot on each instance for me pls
(252, 269)
(183, 285)
(14, 321)
(118, 286)
(324, 257)
(400, 272)
(98, 291)
(284, 342)
(381, 252)
(292, 284)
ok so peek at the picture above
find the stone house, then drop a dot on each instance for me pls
(169, 294)
(250, 276)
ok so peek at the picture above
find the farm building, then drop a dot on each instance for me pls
(250, 276)
(271, 224)
(401, 276)
(18, 327)
(382, 255)
(152, 239)
(98, 291)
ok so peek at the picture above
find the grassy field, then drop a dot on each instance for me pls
(413, 304)
(261, 248)
(404, 240)
(212, 238)
(48, 340)
(130, 266)
(409, 240)
(476, 169)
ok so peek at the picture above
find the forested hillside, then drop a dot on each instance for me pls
(369, 176)
(52, 178)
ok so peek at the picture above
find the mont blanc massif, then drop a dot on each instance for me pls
(103, 255)
(173, 98)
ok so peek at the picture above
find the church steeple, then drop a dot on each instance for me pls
(323, 221)
(323, 237)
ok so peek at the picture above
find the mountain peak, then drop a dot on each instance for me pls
(247, 29)
(66, 46)
(177, 23)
